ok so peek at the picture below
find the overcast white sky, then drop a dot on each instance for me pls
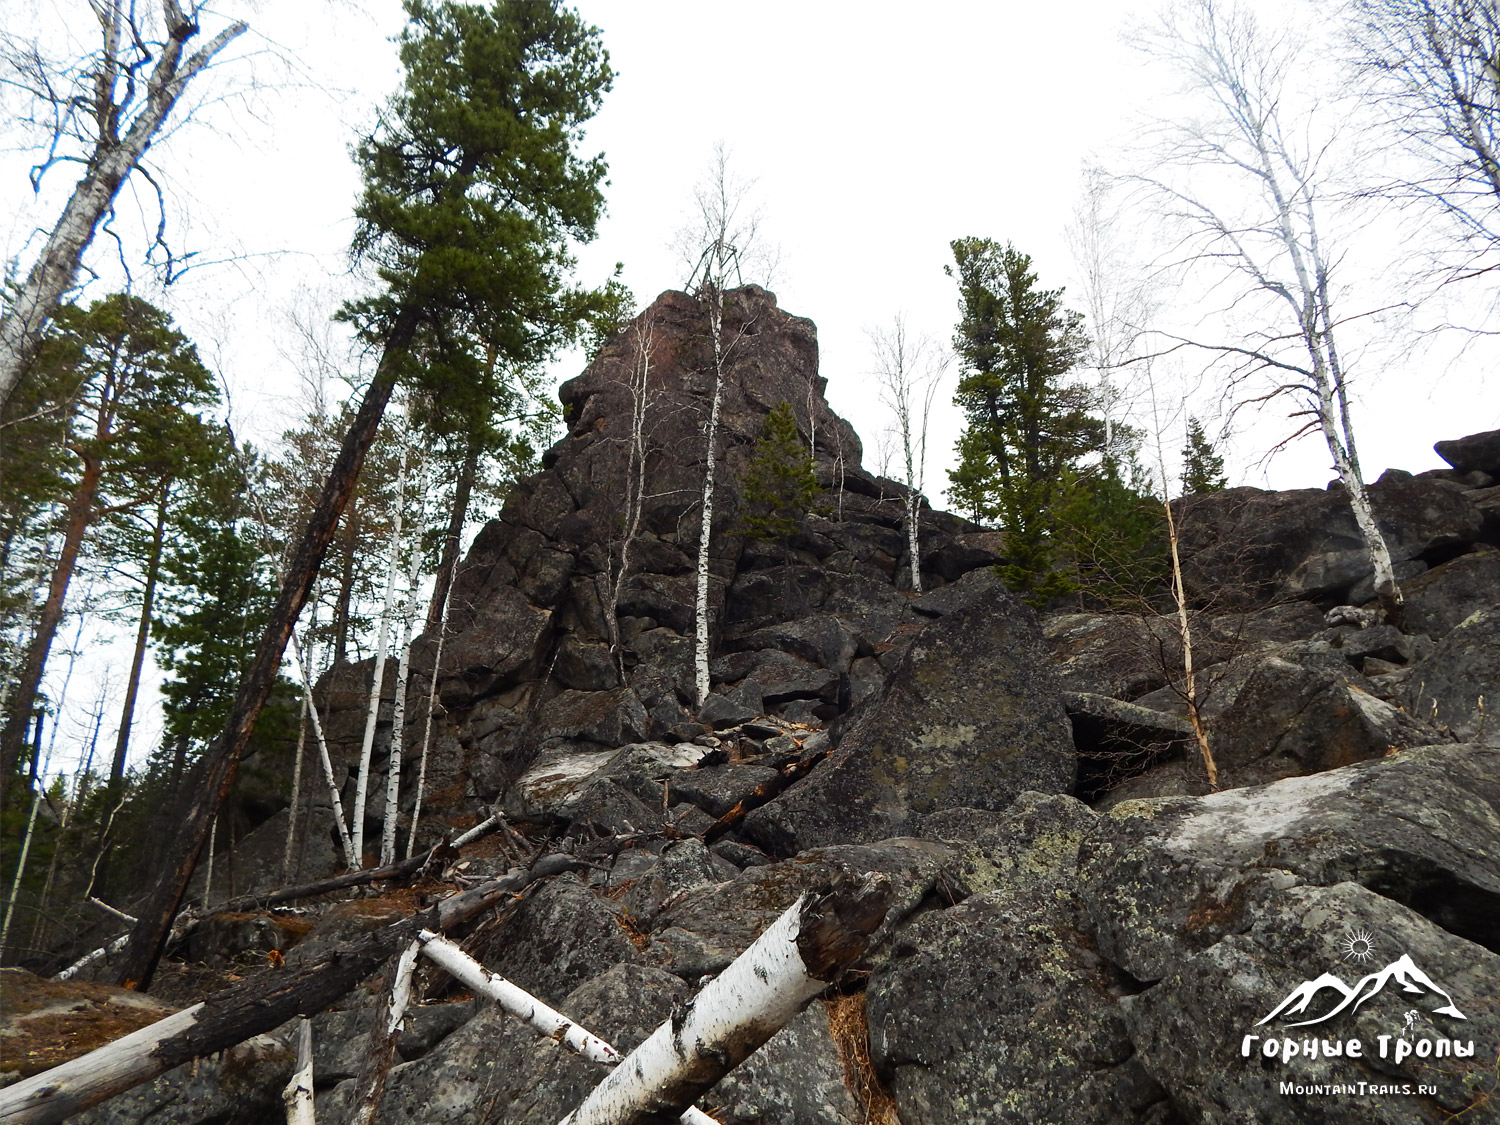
(875, 133)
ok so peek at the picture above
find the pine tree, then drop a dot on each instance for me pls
(1202, 467)
(138, 388)
(779, 484)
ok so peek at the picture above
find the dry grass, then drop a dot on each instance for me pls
(851, 1034)
(49, 1022)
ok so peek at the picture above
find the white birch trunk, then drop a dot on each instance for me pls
(298, 1094)
(89, 958)
(291, 823)
(372, 717)
(336, 801)
(517, 1002)
(700, 608)
(437, 664)
(15, 886)
(739, 1010)
(393, 769)
(1185, 636)
(111, 162)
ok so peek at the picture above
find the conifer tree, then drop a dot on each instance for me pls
(473, 193)
(1026, 424)
(1202, 466)
(779, 484)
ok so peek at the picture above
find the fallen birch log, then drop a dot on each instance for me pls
(516, 1001)
(298, 1094)
(384, 1035)
(818, 937)
(255, 1006)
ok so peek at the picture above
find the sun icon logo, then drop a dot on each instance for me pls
(1358, 945)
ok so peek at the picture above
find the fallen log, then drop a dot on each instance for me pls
(255, 1006)
(782, 971)
(516, 1001)
(409, 866)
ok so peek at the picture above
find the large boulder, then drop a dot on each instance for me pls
(1442, 597)
(1449, 688)
(972, 715)
(1479, 452)
(1243, 546)
(1303, 712)
(1228, 909)
(1001, 1009)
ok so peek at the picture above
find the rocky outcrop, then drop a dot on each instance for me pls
(1077, 930)
(971, 716)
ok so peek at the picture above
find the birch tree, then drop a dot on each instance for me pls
(1243, 181)
(1432, 71)
(102, 111)
(908, 370)
(725, 230)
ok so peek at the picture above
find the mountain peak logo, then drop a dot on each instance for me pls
(1403, 971)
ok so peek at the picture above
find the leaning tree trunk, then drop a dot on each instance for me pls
(222, 759)
(457, 516)
(142, 635)
(113, 159)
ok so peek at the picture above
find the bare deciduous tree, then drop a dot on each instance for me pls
(723, 233)
(908, 370)
(102, 111)
(1433, 68)
(1243, 183)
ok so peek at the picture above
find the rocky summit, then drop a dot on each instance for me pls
(1079, 929)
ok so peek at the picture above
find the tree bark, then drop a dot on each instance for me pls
(298, 1095)
(142, 635)
(377, 679)
(786, 967)
(29, 677)
(223, 758)
(369, 1086)
(248, 1009)
(112, 161)
(457, 516)
(700, 607)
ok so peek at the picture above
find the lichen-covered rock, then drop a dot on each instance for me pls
(1165, 878)
(971, 716)
(1001, 1009)
(1300, 713)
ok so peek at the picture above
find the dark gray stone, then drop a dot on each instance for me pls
(1479, 451)
(932, 741)
(1302, 713)
(559, 937)
(1456, 686)
(1439, 599)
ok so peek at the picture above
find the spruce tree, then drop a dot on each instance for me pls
(1202, 467)
(779, 484)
